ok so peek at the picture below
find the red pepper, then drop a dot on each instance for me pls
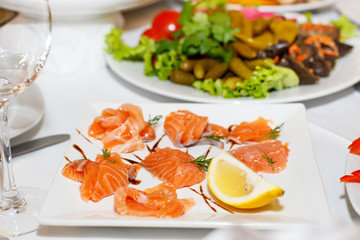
(353, 178)
(355, 147)
(356, 173)
(350, 179)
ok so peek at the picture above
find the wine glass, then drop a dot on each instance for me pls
(25, 41)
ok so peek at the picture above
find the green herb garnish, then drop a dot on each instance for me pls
(106, 153)
(214, 137)
(269, 160)
(273, 134)
(202, 163)
(154, 120)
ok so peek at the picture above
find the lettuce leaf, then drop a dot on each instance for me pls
(347, 29)
(121, 51)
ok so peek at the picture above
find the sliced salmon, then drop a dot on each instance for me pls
(110, 177)
(87, 186)
(250, 131)
(173, 166)
(109, 120)
(266, 157)
(184, 128)
(100, 178)
(114, 157)
(148, 133)
(75, 170)
(122, 130)
(160, 201)
(213, 135)
(216, 130)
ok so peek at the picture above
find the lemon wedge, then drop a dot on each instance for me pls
(235, 184)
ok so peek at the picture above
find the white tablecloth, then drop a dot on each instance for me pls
(76, 74)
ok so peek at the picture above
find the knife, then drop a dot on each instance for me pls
(39, 143)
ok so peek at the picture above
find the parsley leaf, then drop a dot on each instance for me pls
(221, 27)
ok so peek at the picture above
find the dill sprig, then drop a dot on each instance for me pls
(154, 120)
(202, 163)
(269, 160)
(272, 134)
(214, 137)
(106, 153)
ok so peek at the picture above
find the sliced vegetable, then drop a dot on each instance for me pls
(354, 177)
(355, 147)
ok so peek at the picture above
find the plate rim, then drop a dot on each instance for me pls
(341, 6)
(300, 7)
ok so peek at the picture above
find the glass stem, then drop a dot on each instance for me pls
(10, 197)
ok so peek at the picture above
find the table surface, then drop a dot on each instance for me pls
(76, 74)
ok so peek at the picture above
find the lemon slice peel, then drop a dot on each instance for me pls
(235, 184)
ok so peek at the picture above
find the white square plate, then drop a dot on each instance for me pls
(304, 200)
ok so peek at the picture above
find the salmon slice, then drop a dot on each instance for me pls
(250, 131)
(160, 202)
(75, 170)
(110, 177)
(173, 166)
(213, 134)
(266, 157)
(216, 130)
(123, 129)
(148, 133)
(102, 177)
(114, 157)
(184, 128)
(91, 171)
(109, 120)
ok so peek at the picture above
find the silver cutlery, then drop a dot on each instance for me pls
(37, 144)
(357, 86)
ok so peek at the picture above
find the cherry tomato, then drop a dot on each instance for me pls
(166, 22)
(150, 33)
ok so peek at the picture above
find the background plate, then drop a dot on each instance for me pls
(80, 9)
(344, 75)
(304, 200)
(25, 110)
(350, 8)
